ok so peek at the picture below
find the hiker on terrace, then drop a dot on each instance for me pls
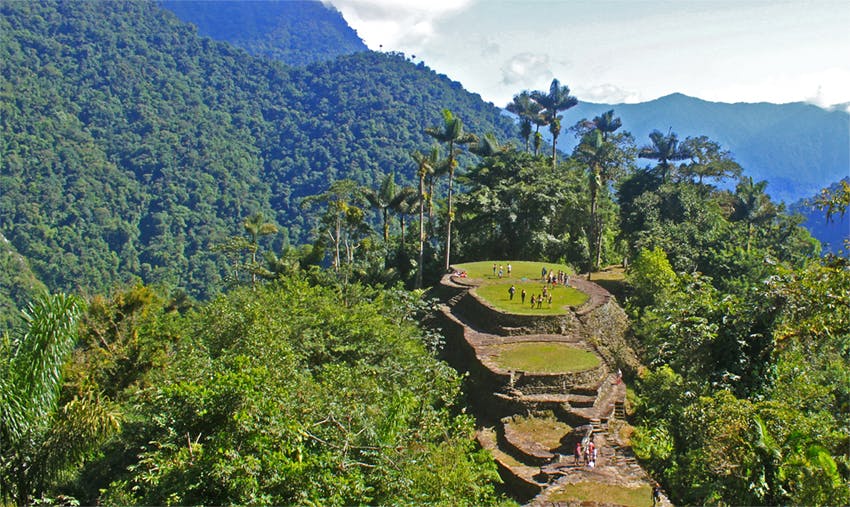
(511, 292)
(509, 269)
(578, 452)
(494, 269)
(522, 296)
(656, 494)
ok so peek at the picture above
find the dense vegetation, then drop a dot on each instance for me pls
(296, 32)
(132, 146)
(296, 392)
(148, 154)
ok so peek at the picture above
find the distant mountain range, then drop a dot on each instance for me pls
(798, 148)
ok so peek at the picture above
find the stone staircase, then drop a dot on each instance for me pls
(531, 421)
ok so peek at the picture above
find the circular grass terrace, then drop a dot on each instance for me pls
(525, 275)
(543, 357)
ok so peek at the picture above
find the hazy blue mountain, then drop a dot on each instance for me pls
(798, 148)
(833, 233)
(296, 32)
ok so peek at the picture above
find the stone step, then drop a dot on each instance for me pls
(581, 400)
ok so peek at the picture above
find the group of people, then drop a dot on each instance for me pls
(499, 270)
(552, 278)
(587, 453)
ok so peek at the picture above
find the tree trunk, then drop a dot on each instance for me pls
(554, 153)
(449, 218)
(385, 213)
(449, 221)
(418, 283)
(336, 243)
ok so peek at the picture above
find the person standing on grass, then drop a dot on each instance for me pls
(522, 296)
(511, 292)
(509, 269)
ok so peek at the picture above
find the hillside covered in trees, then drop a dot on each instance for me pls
(133, 146)
(296, 32)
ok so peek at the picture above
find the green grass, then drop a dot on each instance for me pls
(603, 493)
(541, 357)
(562, 297)
(524, 275)
(520, 269)
(547, 430)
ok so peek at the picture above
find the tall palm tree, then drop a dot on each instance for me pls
(426, 165)
(594, 151)
(664, 149)
(486, 146)
(528, 112)
(384, 200)
(607, 123)
(752, 205)
(405, 207)
(451, 133)
(256, 227)
(556, 100)
(38, 438)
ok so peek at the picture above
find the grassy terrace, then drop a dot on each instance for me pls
(607, 493)
(525, 275)
(537, 357)
(546, 430)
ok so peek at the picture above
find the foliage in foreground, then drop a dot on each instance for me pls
(41, 433)
(749, 401)
(296, 394)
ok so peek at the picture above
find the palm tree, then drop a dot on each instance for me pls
(426, 165)
(607, 123)
(451, 133)
(256, 227)
(528, 112)
(405, 207)
(558, 99)
(664, 149)
(486, 146)
(38, 438)
(385, 199)
(594, 151)
(752, 205)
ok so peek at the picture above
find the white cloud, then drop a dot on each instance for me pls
(606, 93)
(525, 70)
(396, 24)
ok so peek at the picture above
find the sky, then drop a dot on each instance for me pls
(622, 51)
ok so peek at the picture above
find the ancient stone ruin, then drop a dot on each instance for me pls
(532, 421)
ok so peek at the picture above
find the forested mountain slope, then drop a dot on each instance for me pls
(132, 146)
(296, 32)
(17, 284)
